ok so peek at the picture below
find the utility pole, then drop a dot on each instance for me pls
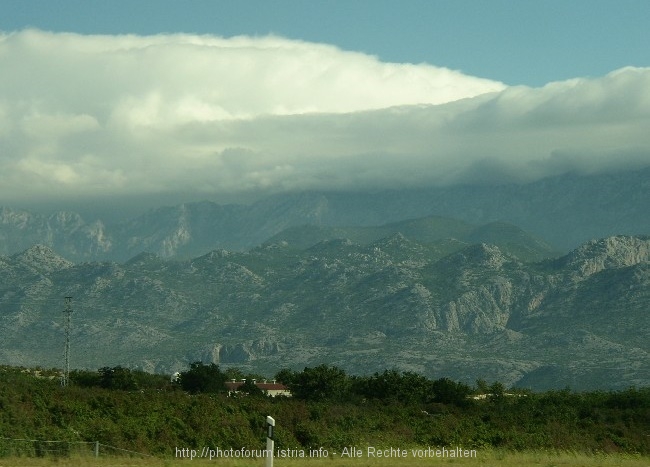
(67, 316)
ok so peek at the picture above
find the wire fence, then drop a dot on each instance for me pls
(18, 447)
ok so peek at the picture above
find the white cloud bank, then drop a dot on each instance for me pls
(105, 115)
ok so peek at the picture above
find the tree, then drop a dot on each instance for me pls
(482, 387)
(234, 373)
(203, 378)
(286, 376)
(497, 389)
(85, 379)
(117, 378)
(320, 383)
(392, 386)
(446, 391)
(249, 387)
(383, 386)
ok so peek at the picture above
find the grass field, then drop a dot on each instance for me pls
(484, 458)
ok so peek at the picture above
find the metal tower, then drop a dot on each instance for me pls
(66, 353)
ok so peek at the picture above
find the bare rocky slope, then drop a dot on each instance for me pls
(464, 311)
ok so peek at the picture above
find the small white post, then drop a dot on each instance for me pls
(96, 448)
(270, 424)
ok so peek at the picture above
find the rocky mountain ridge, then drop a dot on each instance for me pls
(477, 312)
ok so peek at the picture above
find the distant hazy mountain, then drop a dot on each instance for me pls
(465, 311)
(564, 211)
(440, 234)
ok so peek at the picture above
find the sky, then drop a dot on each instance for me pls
(175, 101)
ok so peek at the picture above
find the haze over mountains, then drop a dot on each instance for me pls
(564, 211)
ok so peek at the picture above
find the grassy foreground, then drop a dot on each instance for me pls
(496, 458)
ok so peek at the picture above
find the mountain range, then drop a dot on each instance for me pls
(417, 301)
(564, 211)
(541, 285)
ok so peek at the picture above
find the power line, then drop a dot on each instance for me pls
(66, 352)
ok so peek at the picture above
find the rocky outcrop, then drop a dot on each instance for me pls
(242, 352)
(607, 253)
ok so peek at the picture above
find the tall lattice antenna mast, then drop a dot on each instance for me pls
(67, 313)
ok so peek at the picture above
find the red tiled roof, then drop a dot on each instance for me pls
(233, 386)
(272, 386)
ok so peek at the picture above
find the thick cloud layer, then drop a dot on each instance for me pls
(105, 115)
